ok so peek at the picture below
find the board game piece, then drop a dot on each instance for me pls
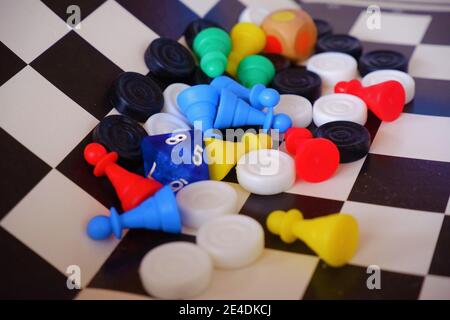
(247, 39)
(352, 139)
(162, 123)
(223, 155)
(202, 201)
(255, 69)
(136, 95)
(130, 188)
(170, 100)
(323, 28)
(123, 135)
(212, 46)
(290, 32)
(340, 43)
(159, 212)
(386, 99)
(168, 58)
(279, 62)
(405, 79)
(232, 241)
(298, 81)
(339, 107)
(258, 96)
(316, 159)
(175, 159)
(382, 59)
(195, 27)
(266, 171)
(199, 105)
(333, 67)
(334, 238)
(299, 109)
(233, 112)
(176, 270)
(199, 77)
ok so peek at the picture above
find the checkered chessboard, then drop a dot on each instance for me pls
(53, 84)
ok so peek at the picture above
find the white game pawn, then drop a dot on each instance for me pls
(176, 270)
(339, 107)
(161, 123)
(170, 100)
(266, 172)
(232, 241)
(298, 108)
(202, 201)
(405, 79)
(333, 67)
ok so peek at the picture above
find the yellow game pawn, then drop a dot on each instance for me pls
(247, 39)
(334, 237)
(222, 155)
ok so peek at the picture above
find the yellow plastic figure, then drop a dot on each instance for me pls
(222, 155)
(334, 237)
(247, 39)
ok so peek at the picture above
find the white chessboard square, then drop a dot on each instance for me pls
(51, 220)
(119, 35)
(338, 187)
(431, 62)
(395, 239)
(275, 275)
(414, 136)
(200, 7)
(395, 28)
(29, 27)
(41, 117)
(435, 288)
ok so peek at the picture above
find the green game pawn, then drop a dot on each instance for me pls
(212, 46)
(255, 69)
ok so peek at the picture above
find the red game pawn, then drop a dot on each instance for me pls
(316, 159)
(131, 188)
(386, 99)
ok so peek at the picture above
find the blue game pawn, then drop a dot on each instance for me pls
(235, 112)
(258, 96)
(199, 104)
(159, 212)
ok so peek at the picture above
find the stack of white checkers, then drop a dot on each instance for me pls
(182, 270)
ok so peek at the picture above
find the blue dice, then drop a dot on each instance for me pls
(176, 158)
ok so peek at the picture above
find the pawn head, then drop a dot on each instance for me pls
(281, 222)
(281, 122)
(269, 98)
(99, 228)
(94, 152)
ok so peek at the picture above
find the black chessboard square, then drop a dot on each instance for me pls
(21, 171)
(10, 64)
(403, 182)
(225, 13)
(259, 207)
(437, 32)
(432, 98)
(60, 7)
(440, 264)
(75, 167)
(341, 18)
(120, 271)
(25, 275)
(80, 71)
(168, 18)
(350, 282)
